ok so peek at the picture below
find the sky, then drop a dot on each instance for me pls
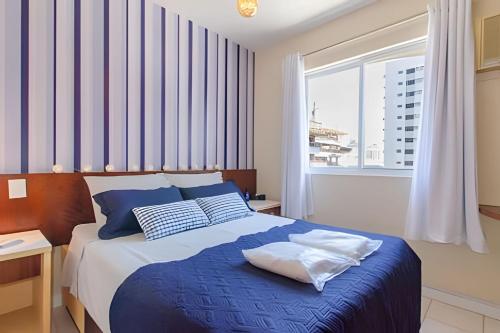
(337, 99)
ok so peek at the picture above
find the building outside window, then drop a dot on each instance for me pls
(358, 110)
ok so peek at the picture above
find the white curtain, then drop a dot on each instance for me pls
(296, 193)
(443, 201)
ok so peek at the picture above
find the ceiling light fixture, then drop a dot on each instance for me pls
(247, 8)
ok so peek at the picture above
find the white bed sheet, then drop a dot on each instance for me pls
(94, 268)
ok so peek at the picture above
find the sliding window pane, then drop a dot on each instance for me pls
(333, 104)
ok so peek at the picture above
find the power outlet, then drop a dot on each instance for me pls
(17, 188)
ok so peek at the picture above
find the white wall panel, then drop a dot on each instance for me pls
(64, 131)
(92, 84)
(171, 95)
(221, 101)
(41, 85)
(242, 108)
(117, 84)
(198, 99)
(134, 85)
(250, 110)
(184, 83)
(153, 85)
(232, 106)
(10, 86)
(211, 100)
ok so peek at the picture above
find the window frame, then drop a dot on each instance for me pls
(360, 62)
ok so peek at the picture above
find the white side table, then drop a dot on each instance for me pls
(33, 244)
(266, 206)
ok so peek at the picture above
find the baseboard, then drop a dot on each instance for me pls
(464, 302)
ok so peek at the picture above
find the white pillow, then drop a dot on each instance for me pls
(298, 262)
(194, 179)
(99, 184)
(353, 246)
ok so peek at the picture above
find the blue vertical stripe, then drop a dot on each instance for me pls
(25, 85)
(163, 86)
(253, 108)
(217, 102)
(225, 111)
(77, 87)
(178, 83)
(206, 100)
(106, 82)
(238, 108)
(143, 85)
(190, 92)
(126, 85)
(54, 132)
(246, 115)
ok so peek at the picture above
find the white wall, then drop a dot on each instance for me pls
(379, 204)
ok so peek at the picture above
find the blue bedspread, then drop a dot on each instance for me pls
(218, 291)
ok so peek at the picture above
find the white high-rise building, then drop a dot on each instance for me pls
(403, 104)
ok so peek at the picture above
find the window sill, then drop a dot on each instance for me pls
(369, 172)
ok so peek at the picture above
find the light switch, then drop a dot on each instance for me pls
(17, 188)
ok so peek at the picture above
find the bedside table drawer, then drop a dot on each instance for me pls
(19, 269)
(271, 211)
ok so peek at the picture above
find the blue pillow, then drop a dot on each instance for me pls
(162, 220)
(117, 205)
(191, 193)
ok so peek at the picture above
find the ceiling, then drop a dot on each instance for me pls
(275, 21)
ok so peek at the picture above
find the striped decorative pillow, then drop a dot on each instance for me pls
(163, 220)
(223, 208)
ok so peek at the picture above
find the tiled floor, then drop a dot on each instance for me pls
(436, 317)
(439, 317)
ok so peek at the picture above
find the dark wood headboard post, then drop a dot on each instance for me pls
(56, 203)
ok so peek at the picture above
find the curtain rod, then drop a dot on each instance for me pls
(392, 25)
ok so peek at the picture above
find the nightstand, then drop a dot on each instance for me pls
(32, 256)
(266, 206)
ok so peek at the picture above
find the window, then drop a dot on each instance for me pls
(333, 121)
(413, 93)
(354, 113)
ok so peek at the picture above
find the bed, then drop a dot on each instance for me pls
(198, 281)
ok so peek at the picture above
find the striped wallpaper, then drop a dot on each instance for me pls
(124, 83)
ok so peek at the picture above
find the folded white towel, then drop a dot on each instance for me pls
(298, 262)
(340, 243)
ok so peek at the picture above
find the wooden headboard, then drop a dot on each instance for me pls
(56, 203)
